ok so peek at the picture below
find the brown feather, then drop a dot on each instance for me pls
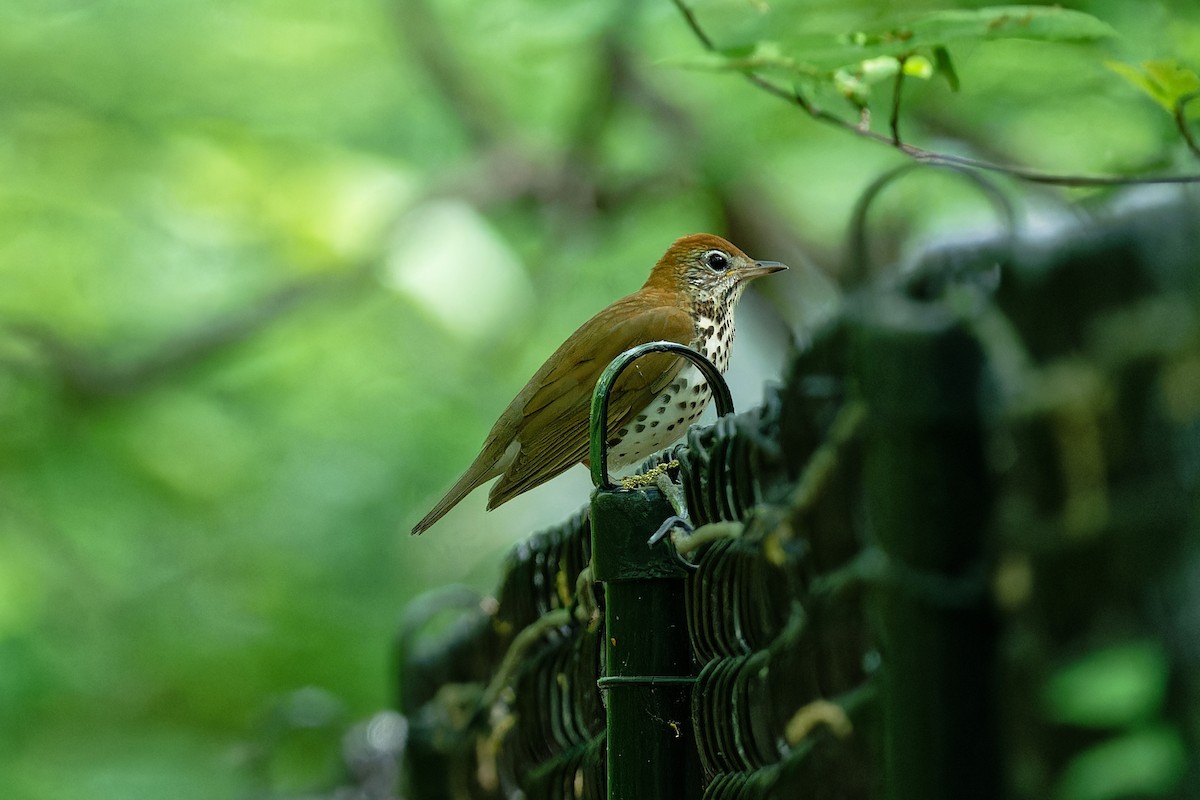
(549, 415)
(544, 430)
(553, 430)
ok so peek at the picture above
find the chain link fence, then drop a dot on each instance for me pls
(955, 554)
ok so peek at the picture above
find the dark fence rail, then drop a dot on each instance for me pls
(956, 554)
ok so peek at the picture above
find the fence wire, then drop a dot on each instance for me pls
(955, 554)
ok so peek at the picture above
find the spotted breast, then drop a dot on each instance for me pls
(683, 401)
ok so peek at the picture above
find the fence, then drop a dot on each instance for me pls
(954, 555)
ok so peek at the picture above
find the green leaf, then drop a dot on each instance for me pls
(1037, 23)
(1168, 82)
(942, 65)
(918, 67)
(931, 32)
(822, 56)
(877, 69)
(852, 87)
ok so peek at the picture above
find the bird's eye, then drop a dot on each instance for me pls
(716, 260)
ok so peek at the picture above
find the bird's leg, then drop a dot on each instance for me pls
(674, 494)
(658, 477)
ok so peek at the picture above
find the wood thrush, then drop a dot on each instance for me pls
(689, 298)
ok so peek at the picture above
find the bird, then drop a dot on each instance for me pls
(689, 298)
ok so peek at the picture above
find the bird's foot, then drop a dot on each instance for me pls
(680, 520)
(669, 525)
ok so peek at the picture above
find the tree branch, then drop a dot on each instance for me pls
(426, 40)
(930, 156)
(894, 119)
(83, 373)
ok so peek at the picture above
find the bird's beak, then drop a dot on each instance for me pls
(761, 268)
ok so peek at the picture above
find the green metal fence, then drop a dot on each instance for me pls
(955, 555)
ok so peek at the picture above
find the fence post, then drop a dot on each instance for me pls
(648, 671)
(927, 501)
(648, 668)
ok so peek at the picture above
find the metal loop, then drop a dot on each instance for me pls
(599, 433)
(857, 267)
(690, 566)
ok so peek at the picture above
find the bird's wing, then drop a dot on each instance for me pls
(553, 428)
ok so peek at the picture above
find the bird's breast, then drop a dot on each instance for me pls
(714, 339)
(681, 403)
(663, 421)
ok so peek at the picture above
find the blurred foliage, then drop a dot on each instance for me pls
(852, 62)
(269, 269)
(1167, 82)
(1110, 687)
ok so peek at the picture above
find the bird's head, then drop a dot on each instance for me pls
(708, 269)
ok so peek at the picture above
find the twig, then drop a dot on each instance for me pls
(694, 24)
(86, 375)
(930, 156)
(428, 44)
(894, 120)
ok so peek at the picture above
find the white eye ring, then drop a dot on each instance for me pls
(717, 260)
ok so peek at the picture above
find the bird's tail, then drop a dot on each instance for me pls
(479, 473)
(457, 492)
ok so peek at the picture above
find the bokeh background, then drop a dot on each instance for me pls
(269, 270)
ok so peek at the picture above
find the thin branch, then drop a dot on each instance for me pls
(894, 120)
(429, 45)
(88, 375)
(934, 157)
(694, 24)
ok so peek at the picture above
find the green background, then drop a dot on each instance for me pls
(269, 270)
